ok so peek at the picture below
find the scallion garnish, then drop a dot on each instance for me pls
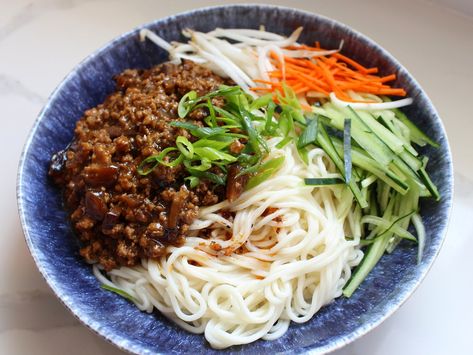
(213, 154)
(283, 142)
(151, 162)
(224, 125)
(185, 147)
(266, 170)
(185, 105)
(309, 135)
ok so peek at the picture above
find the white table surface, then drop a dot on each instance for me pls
(41, 41)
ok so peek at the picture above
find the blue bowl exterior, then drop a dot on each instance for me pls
(54, 247)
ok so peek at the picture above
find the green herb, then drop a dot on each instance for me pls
(185, 104)
(185, 147)
(265, 171)
(189, 101)
(309, 135)
(148, 164)
(270, 126)
(204, 164)
(193, 181)
(217, 179)
(261, 101)
(283, 142)
(213, 154)
(254, 137)
(200, 132)
(212, 118)
(214, 143)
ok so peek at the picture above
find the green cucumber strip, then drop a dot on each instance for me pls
(347, 162)
(372, 255)
(326, 144)
(412, 161)
(429, 184)
(323, 181)
(387, 118)
(409, 202)
(360, 133)
(360, 159)
(390, 226)
(119, 292)
(384, 134)
(416, 133)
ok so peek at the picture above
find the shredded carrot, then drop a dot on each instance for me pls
(325, 74)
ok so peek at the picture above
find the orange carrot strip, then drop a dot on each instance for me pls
(260, 88)
(388, 78)
(372, 70)
(264, 82)
(351, 62)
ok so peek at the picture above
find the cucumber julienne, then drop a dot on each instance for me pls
(373, 151)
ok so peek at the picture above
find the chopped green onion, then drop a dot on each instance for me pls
(261, 101)
(185, 147)
(154, 160)
(204, 165)
(283, 142)
(309, 135)
(265, 171)
(185, 105)
(213, 154)
(254, 138)
(269, 125)
(286, 123)
(217, 179)
(304, 155)
(200, 132)
(212, 143)
(213, 119)
(193, 181)
(226, 116)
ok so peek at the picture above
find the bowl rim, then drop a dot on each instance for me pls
(130, 347)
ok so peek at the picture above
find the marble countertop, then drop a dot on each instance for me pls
(41, 41)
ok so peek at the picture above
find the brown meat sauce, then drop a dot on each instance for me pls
(118, 214)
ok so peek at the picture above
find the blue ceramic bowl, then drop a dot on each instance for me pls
(54, 247)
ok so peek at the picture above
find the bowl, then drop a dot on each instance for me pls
(54, 246)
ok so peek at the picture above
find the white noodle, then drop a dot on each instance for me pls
(296, 260)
